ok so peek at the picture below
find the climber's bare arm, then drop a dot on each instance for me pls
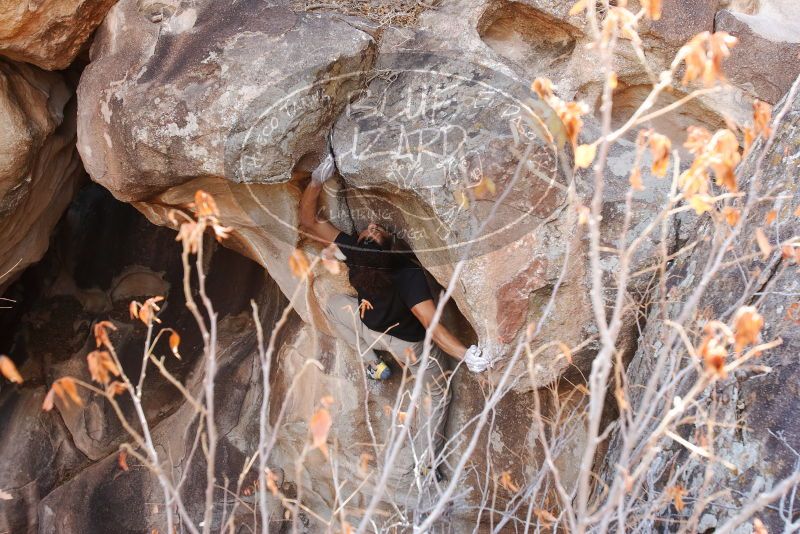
(320, 230)
(424, 311)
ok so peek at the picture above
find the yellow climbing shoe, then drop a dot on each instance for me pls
(378, 371)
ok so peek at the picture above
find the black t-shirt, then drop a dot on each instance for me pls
(393, 306)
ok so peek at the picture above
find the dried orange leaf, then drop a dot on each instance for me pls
(205, 205)
(101, 333)
(174, 342)
(635, 180)
(116, 388)
(507, 482)
(676, 493)
(770, 218)
(486, 188)
(660, 147)
(122, 461)
(763, 243)
(747, 325)
(652, 8)
(71, 389)
(320, 425)
(133, 309)
(714, 354)
(9, 370)
(543, 86)
(545, 517)
(100, 365)
(731, 215)
(762, 114)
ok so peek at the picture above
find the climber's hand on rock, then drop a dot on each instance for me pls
(324, 170)
(476, 360)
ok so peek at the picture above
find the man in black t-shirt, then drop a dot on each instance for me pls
(392, 311)
(394, 304)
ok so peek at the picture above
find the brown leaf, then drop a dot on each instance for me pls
(758, 527)
(747, 325)
(763, 243)
(205, 205)
(122, 460)
(100, 365)
(507, 482)
(676, 493)
(147, 313)
(543, 86)
(71, 389)
(703, 55)
(320, 425)
(66, 390)
(5, 496)
(101, 333)
(770, 218)
(731, 215)
(486, 188)
(545, 517)
(762, 114)
(133, 309)
(660, 147)
(298, 264)
(174, 343)
(9, 370)
(116, 388)
(652, 8)
(714, 354)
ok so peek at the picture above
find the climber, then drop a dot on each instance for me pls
(394, 306)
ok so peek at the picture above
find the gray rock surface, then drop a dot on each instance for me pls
(755, 431)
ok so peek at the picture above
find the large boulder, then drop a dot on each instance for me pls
(39, 166)
(48, 33)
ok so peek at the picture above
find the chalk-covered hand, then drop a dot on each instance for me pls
(476, 360)
(324, 170)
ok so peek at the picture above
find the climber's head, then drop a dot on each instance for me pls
(377, 234)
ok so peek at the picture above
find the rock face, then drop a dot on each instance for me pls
(39, 165)
(428, 124)
(754, 431)
(48, 33)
